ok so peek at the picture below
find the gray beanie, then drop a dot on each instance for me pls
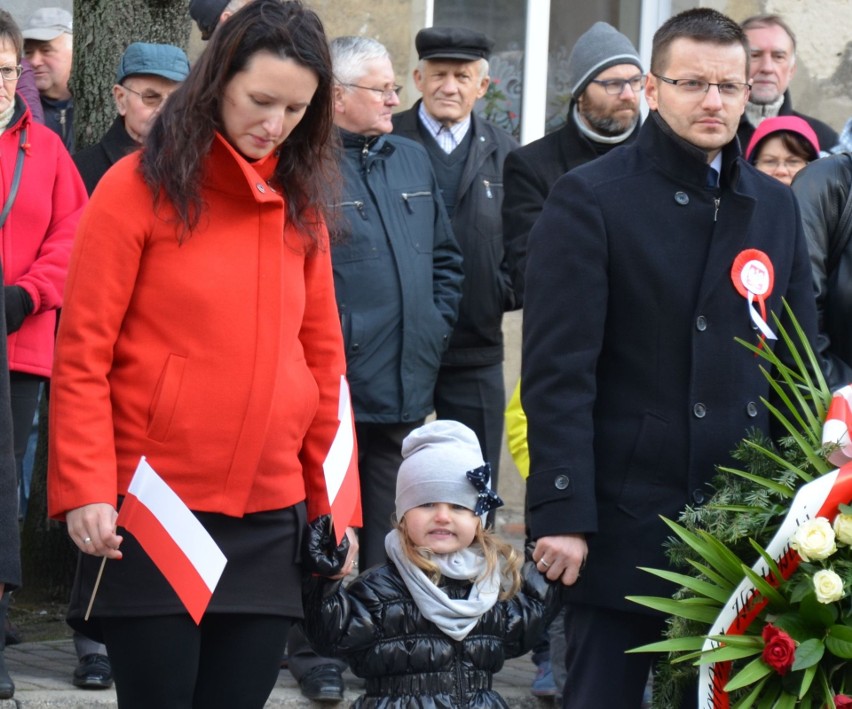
(436, 460)
(599, 48)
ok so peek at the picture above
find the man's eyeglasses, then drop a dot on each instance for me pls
(727, 89)
(387, 94)
(11, 73)
(150, 98)
(615, 86)
(772, 164)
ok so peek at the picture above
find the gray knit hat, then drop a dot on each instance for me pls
(599, 48)
(442, 462)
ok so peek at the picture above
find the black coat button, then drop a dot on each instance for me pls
(701, 323)
(561, 482)
(682, 198)
(751, 409)
(700, 410)
(698, 497)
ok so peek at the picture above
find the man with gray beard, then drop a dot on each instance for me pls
(605, 81)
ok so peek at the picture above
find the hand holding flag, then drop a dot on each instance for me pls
(173, 537)
(341, 467)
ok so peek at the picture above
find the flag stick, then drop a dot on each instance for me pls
(95, 589)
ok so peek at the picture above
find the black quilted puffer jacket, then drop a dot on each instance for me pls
(407, 661)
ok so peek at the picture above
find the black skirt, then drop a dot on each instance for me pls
(262, 575)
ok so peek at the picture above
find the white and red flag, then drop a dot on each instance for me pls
(173, 537)
(341, 467)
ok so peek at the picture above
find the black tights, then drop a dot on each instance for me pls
(170, 663)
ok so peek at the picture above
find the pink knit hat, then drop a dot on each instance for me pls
(794, 124)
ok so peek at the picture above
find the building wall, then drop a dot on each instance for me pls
(822, 84)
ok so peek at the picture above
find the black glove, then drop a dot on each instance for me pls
(320, 555)
(18, 306)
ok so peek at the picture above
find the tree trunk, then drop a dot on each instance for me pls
(102, 31)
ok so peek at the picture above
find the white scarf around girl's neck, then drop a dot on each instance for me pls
(454, 617)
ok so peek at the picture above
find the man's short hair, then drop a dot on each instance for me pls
(10, 31)
(350, 54)
(701, 24)
(769, 20)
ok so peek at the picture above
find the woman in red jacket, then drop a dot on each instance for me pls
(200, 330)
(44, 197)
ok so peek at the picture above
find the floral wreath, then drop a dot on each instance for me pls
(775, 633)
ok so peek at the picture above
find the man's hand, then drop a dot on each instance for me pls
(92, 527)
(562, 557)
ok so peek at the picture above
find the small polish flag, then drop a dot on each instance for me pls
(173, 537)
(341, 467)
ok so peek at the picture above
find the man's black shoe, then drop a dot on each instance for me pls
(93, 672)
(323, 683)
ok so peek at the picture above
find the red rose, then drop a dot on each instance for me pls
(841, 701)
(780, 649)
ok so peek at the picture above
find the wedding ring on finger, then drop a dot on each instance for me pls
(87, 540)
(544, 563)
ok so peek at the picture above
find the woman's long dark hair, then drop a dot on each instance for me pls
(180, 140)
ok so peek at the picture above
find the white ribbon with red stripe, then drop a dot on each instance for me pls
(838, 422)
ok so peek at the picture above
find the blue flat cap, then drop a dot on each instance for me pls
(164, 60)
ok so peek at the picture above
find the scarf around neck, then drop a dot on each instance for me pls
(454, 617)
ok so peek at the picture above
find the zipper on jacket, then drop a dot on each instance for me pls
(488, 192)
(358, 204)
(408, 195)
(461, 694)
(717, 201)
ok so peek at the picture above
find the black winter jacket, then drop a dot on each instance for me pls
(823, 188)
(397, 277)
(95, 160)
(528, 175)
(487, 292)
(407, 661)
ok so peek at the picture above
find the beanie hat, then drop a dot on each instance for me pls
(599, 48)
(206, 14)
(442, 462)
(792, 124)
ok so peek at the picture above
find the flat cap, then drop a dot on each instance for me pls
(164, 60)
(452, 43)
(47, 23)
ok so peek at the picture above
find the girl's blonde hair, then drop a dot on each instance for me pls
(498, 555)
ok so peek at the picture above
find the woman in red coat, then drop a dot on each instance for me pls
(200, 330)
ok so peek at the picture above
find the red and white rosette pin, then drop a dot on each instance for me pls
(754, 277)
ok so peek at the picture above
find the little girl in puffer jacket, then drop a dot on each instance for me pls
(429, 629)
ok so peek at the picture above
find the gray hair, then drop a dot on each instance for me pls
(350, 55)
(481, 65)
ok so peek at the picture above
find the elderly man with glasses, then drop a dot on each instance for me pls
(397, 276)
(648, 262)
(146, 75)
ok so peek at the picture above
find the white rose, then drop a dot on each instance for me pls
(814, 540)
(843, 528)
(828, 586)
